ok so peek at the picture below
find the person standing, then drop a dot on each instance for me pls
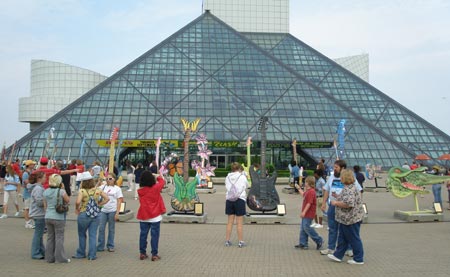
(29, 166)
(130, 175)
(349, 215)
(37, 212)
(151, 208)
(436, 188)
(87, 223)
(137, 178)
(307, 214)
(295, 174)
(320, 183)
(109, 213)
(235, 209)
(11, 189)
(333, 186)
(54, 221)
(359, 176)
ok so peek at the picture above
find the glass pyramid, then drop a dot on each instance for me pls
(230, 80)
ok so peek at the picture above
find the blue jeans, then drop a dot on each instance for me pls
(437, 193)
(349, 236)
(37, 244)
(90, 225)
(154, 228)
(105, 218)
(306, 231)
(333, 227)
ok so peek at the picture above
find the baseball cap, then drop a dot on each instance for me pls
(29, 162)
(84, 176)
(44, 160)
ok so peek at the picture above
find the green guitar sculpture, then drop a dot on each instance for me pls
(403, 182)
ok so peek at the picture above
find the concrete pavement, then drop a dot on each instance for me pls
(392, 247)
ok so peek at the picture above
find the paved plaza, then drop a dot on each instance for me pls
(392, 247)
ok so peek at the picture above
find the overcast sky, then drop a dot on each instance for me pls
(408, 42)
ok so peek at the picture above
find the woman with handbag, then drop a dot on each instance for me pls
(11, 189)
(87, 208)
(54, 220)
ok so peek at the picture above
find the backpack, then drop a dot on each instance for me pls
(92, 208)
(234, 194)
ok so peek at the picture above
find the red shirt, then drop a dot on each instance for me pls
(72, 166)
(48, 172)
(310, 197)
(151, 201)
(80, 168)
(16, 168)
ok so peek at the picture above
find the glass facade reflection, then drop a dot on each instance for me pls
(229, 80)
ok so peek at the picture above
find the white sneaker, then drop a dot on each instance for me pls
(4, 216)
(334, 258)
(129, 190)
(354, 262)
(17, 214)
(318, 226)
(28, 226)
(313, 225)
(326, 251)
(349, 253)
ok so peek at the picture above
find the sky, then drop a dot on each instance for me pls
(408, 42)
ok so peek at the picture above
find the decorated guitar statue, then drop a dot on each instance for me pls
(185, 195)
(294, 157)
(247, 168)
(113, 138)
(158, 143)
(263, 196)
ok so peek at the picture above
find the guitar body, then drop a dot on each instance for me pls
(263, 196)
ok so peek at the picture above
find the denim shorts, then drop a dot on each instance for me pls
(235, 207)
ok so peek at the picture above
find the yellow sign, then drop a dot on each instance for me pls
(137, 143)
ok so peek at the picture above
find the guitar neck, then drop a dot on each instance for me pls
(263, 153)
(248, 156)
(111, 157)
(187, 138)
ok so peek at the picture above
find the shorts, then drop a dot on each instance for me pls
(8, 194)
(27, 203)
(235, 208)
(319, 211)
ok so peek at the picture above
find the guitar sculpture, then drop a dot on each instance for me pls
(247, 168)
(263, 196)
(113, 139)
(185, 195)
(294, 157)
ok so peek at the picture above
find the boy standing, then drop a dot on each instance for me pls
(308, 214)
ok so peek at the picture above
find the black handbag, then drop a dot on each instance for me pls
(61, 207)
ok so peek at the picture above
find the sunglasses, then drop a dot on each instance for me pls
(110, 178)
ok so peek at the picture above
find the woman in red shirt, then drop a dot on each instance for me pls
(150, 213)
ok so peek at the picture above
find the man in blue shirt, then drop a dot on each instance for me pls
(332, 188)
(295, 171)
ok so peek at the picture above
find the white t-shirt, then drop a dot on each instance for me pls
(114, 193)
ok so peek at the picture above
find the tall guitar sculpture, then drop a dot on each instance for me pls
(247, 168)
(185, 195)
(263, 196)
(294, 157)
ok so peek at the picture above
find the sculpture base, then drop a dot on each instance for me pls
(205, 190)
(288, 190)
(420, 216)
(126, 216)
(184, 218)
(271, 218)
